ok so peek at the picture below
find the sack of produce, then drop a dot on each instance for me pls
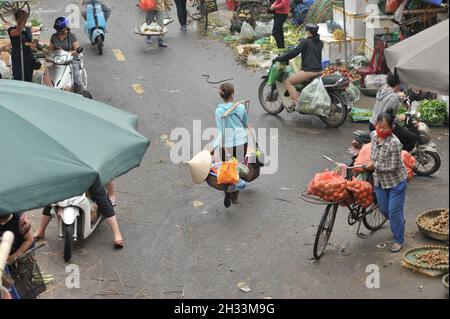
(363, 157)
(353, 92)
(274, 73)
(410, 162)
(330, 186)
(362, 191)
(375, 81)
(147, 5)
(247, 34)
(314, 99)
(360, 114)
(263, 29)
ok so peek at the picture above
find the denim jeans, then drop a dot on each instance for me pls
(391, 202)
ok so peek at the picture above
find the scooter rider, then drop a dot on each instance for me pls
(106, 10)
(67, 40)
(311, 50)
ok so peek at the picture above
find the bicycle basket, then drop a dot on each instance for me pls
(27, 277)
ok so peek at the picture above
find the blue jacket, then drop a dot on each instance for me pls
(235, 125)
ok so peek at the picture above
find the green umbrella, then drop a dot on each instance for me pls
(54, 145)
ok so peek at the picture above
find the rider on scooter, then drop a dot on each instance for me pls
(67, 40)
(106, 10)
(388, 97)
(311, 50)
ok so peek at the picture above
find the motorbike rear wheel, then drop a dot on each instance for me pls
(99, 43)
(339, 111)
(68, 241)
(275, 105)
(428, 163)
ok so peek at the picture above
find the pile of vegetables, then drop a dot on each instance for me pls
(362, 192)
(433, 111)
(330, 186)
(350, 75)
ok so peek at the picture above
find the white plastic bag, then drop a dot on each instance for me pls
(263, 30)
(5, 72)
(314, 99)
(247, 33)
(375, 81)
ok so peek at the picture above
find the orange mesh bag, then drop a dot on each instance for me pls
(362, 191)
(330, 186)
(410, 162)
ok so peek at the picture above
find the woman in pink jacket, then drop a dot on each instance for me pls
(281, 10)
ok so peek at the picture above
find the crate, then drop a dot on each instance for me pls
(355, 23)
(334, 50)
(379, 27)
(360, 6)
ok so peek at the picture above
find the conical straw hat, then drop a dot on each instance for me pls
(199, 166)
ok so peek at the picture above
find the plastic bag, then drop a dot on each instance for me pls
(5, 72)
(263, 30)
(363, 156)
(314, 99)
(354, 93)
(375, 81)
(362, 192)
(247, 34)
(392, 5)
(147, 5)
(228, 173)
(330, 186)
(274, 73)
(358, 61)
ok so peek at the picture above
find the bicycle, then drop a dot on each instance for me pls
(251, 9)
(371, 217)
(196, 9)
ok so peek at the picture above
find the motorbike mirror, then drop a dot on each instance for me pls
(79, 50)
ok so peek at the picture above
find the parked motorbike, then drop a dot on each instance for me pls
(425, 152)
(77, 219)
(59, 71)
(95, 25)
(274, 99)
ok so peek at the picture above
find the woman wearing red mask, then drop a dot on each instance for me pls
(390, 176)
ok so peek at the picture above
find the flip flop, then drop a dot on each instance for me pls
(118, 244)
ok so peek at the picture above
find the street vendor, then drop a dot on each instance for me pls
(311, 50)
(158, 14)
(23, 239)
(22, 47)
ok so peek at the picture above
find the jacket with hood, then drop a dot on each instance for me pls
(311, 51)
(386, 98)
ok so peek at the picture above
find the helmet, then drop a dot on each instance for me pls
(312, 28)
(61, 23)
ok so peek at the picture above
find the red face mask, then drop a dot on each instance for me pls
(383, 133)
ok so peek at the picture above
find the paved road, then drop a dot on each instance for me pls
(176, 250)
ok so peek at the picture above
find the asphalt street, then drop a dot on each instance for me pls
(181, 242)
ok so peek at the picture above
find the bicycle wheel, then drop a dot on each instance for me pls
(324, 231)
(373, 218)
(195, 9)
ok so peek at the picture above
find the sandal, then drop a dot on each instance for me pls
(118, 244)
(113, 201)
(38, 237)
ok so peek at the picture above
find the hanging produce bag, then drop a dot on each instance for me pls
(147, 5)
(353, 93)
(330, 186)
(228, 173)
(314, 99)
(362, 192)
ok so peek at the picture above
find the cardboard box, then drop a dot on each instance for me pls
(355, 23)
(361, 6)
(334, 50)
(377, 27)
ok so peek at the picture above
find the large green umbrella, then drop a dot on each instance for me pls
(54, 145)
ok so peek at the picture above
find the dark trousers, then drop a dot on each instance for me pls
(277, 30)
(181, 12)
(17, 70)
(98, 195)
(408, 138)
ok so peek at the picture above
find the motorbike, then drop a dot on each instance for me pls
(59, 71)
(95, 25)
(77, 219)
(275, 98)
(425, 152)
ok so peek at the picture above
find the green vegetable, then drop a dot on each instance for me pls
(402, 110)
(433, 111)
(35, 23)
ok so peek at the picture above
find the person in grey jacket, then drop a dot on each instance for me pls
(389, 97)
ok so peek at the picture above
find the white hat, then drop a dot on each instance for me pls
(199, 166)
